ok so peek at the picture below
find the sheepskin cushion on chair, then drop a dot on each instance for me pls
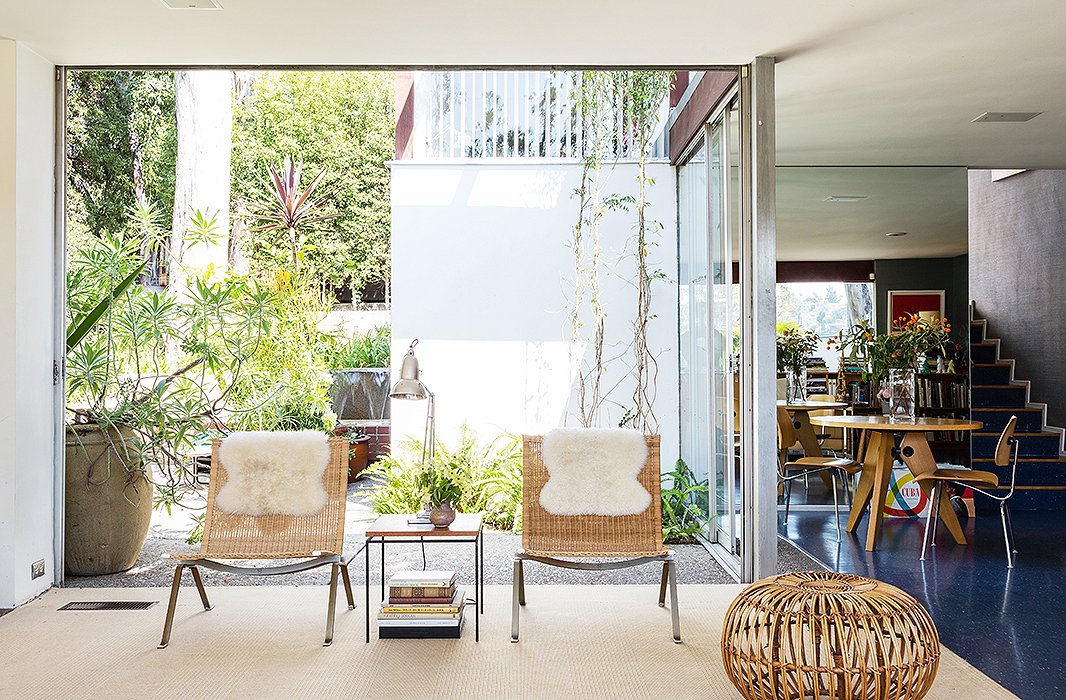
(274, 473)
(594, 472)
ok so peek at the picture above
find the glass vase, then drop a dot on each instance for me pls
(796, 385)
(901, 402)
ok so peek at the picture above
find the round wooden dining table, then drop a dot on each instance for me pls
(877, 465)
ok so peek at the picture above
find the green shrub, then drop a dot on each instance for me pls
(371, 350)
(682, 496)
(488, 476)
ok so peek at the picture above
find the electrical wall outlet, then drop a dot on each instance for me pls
(37, 569)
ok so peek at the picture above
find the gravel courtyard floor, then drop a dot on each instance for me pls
(168, 533)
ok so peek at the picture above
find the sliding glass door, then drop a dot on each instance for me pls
(726, 246)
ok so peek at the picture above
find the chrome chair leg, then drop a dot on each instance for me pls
(1006, 534)
(1010, 528)
(662, 584)
(788, 497)
(347, 586)
(168, 625)
(938, 493)
(675, 617)
(200, 587)
(836, 503)
(928, 524)
(521, 582)
(516, 577)
(332, 611)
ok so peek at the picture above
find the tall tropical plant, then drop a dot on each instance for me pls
(153, 361)
(287, 207)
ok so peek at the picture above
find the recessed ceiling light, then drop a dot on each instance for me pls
(1005, 117)
(845, 198)
(192, 4)
(893, 234)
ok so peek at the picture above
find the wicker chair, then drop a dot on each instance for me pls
(316, 539)
(556, 540)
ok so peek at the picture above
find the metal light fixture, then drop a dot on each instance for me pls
(409, 387)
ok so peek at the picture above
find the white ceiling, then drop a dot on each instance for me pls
(889, 82)
(929, 204)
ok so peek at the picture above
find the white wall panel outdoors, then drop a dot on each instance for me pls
(482, 275)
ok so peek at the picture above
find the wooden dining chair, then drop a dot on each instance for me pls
(831, 439)
(790, 470)
(979, 481)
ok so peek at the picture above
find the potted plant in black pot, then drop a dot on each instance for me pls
(145, 372)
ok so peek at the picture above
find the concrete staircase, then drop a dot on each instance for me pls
(996, 395)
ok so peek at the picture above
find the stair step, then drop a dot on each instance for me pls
(1029, 444)
(983, 352)
(1023, 499)
(990, 373)
(997, 396)
(1035, 474)
(1029, 419)
(976, 333)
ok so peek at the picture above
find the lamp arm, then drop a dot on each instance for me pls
(429, 435)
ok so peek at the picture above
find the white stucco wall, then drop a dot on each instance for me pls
(27, 89)
(482, 275)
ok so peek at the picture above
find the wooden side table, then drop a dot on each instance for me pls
(467, 527)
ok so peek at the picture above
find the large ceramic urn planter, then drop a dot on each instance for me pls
(108, 500)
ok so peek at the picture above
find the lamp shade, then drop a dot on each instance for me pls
(409, 386)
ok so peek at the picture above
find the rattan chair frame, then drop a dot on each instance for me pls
(557, 540)
(823, 634)
(314, 540)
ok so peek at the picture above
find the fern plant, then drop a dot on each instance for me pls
(682, 495)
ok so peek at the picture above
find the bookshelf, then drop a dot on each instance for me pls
(945, 395)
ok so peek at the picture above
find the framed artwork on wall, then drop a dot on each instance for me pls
(926, 303)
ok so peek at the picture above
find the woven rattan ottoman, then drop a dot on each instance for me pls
(821, 634)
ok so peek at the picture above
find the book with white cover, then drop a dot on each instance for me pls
(438, 579)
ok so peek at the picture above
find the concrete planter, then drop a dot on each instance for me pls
(108, 505)
(361, 394)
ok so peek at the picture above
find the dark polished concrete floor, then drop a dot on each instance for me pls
(1011, 624)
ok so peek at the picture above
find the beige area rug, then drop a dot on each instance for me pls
(577, 642)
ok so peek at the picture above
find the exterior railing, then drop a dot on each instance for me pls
(518, 114)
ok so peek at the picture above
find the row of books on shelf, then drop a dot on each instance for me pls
(422, 604)
(936, 394)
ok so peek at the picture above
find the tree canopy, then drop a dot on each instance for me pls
(121, 144)
(337, 121)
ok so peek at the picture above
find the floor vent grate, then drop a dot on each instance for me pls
(110, 605)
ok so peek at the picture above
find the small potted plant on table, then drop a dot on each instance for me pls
(442, 492)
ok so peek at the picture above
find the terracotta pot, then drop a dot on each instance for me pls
(358, 457)
(108, 500)
(442, 515)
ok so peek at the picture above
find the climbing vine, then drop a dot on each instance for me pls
(602, 99)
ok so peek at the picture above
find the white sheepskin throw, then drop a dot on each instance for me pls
(594, 472)
(274, 473)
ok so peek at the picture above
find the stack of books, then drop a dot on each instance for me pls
(421, 605)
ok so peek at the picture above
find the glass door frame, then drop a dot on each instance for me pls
(757, 255)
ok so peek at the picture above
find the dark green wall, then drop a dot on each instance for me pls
(949, 274)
